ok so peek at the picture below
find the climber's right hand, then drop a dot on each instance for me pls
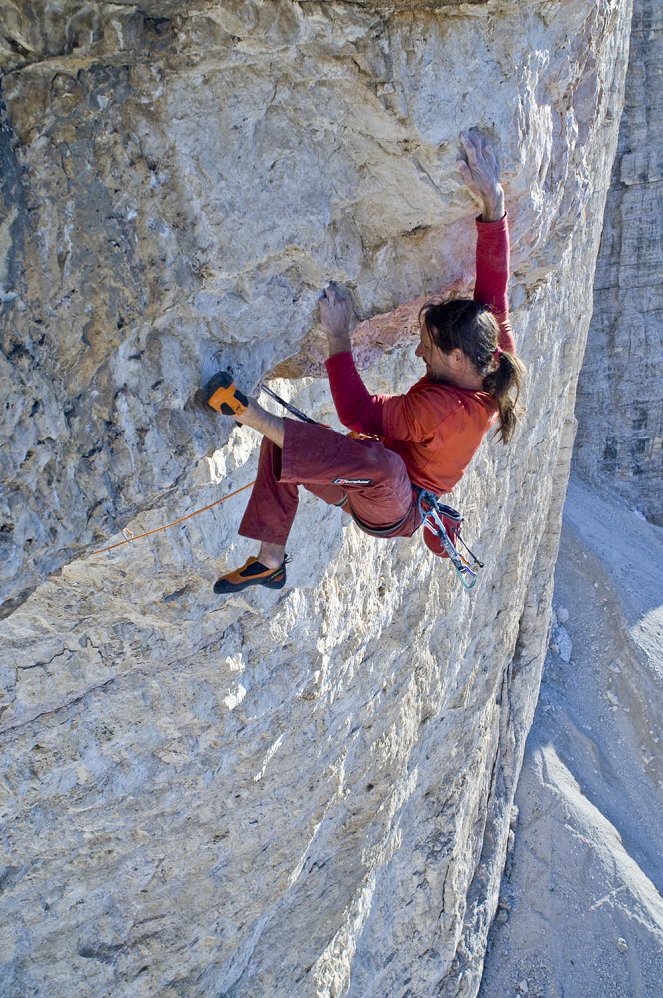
(335, 319)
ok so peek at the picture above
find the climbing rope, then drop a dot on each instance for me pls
(129, 537)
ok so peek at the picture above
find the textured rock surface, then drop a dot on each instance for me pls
(306, 793)
(620, 393)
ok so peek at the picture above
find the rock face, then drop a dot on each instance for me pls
(308, 792)
(620, 392)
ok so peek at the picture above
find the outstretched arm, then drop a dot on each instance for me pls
(481, 175)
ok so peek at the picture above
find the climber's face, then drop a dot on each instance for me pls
(425, 348)
(440, 366)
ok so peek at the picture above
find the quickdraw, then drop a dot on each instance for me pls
(433, 514)
(288, 405)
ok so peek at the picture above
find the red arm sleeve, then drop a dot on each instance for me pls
(492, 262)
(355, 407)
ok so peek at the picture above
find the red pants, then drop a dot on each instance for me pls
(315, 457)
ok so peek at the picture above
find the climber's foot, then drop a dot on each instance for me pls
(252, 573)
(223, 396)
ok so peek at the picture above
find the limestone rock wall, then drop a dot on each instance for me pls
(304, 792)
(620, 392)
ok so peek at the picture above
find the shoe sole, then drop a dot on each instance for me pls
(222, 588)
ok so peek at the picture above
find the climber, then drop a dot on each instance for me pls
(424, 439)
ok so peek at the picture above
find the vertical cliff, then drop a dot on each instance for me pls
(307, 792)
(620, 392)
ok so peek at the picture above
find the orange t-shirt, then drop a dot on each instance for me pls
(437, 429)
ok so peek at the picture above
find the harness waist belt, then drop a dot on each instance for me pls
(379, 531)
(392, 528)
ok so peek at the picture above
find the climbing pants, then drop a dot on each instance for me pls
(315, 457)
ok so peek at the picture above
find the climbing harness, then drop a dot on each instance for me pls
(389, 531)
(129, 537)
(444, 522)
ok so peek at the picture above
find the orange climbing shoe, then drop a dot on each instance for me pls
(252, 573)
(222, 395)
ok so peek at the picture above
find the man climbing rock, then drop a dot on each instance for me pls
(402, 444)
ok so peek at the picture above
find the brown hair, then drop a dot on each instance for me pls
(464, 324)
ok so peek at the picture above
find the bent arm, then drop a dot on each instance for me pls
(356, 408)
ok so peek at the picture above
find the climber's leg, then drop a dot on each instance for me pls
(268, 518)
(273, 503)
(374, 478)
(330, 465)
(272, 506)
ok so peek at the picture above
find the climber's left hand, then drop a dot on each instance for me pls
(481, 173)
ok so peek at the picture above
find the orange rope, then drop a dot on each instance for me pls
(180, 519)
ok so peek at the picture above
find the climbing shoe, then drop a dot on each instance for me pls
(222, 395)
(252, 573)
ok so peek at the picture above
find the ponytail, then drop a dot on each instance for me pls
(504, 383)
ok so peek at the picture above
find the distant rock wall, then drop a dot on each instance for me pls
(307, 792)
(620, 392)
(582, 897)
